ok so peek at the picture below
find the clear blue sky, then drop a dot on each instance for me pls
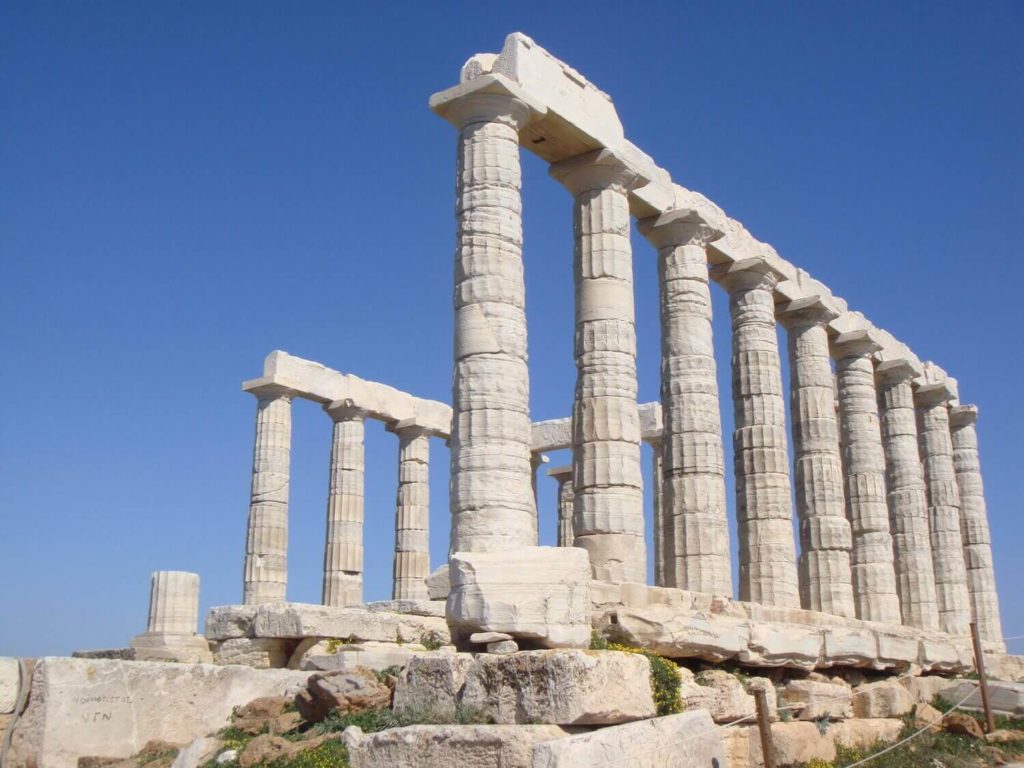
(186, 187)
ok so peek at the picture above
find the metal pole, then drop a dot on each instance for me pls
(979, 663)
(765, 728)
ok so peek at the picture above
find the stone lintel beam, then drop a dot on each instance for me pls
(748, 270)
(597, 170)
(482, 98)
(678, 227)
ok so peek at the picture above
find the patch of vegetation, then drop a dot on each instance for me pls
(382, 675)
(373, 720)
(431, 640)
(235, 738)
(333, 644)
(665, 679)
(329, 754)
(598, 642)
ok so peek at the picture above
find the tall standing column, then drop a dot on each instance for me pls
(563, 475)
(825, 538)
(981, 578)
(537, 460)
(908, 505)
(412, 513)
(663, 561)
(608, 507)
(874, 572)
(491, 492)
(266, 549)
(764, 508)
(694, 512)
(943, 508)
(343, 553)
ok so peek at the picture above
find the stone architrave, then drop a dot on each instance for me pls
(565, 535)
(825, 538)
(981, 579)
(608, 482)
(266, 548)
(412, 513)
(343, 552)
(936, 448)
(908, 503)
(764, 508)
(695, 542)
(860, 434)
(491, 491)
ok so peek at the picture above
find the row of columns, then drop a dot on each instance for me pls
(862, 527)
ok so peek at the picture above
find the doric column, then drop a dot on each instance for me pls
(412, 512)
(565, 496)
(936, 448)
(608, 507)
(860, 435)
(266, 548)
(343, 553)
(981, 578)
(908, 504)
(491, 494)
(825, 539)
(537, 460)
(664, 563)
(174, 603)
(695, 539)
(764, 509)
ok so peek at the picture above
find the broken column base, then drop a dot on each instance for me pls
(167, 646)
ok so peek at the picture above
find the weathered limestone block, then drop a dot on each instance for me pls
(438, 583)
(111, 709)
(686, 740)
(266, 549)
(377, 656)
(849, 647)
(864, 734)
(421, 607)
(898, 649)
(908, 504)
(981, 578)
(299, 620)
(783, 645)
(607, 479)
(796, 743)
(224, 622)
(1005, 667)
(536, 594)
(925, 688)
(669, 633)
(9, 682)
(814, 699)
(261, 653)
(1005, 698)
(412, 513)
(343, 554)
(444, 746)
(564, 687)
(491, 478)
(764, 509)
(695, 539)
(882, 700)
(938, 653)
(432, 681)
(720, 693)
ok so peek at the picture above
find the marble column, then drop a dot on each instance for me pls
(908, 504)
(860, 435)
(936, 448)
(491, 492)
(537, 460)
(608, 506)
(343, 553)
(412, 513)
(565, 496)
(663, 561)
(695, 537)
(174, 603)
(764, 508)
(825, 538)
(266, 548)
(981, 578)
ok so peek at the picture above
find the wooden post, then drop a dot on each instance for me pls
(979, 663)
(765, 728)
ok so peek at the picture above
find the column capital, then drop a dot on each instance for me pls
(675, 228)
(597, 170)
(854, 344)
(806, 312)
(409, 428)
(345, 410)
(935, 393)
(270, 387)
(487, 99)
(895, 371)
(748, 274)
(963, 415)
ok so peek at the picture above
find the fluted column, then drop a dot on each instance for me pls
(537, 460)
(343, 552)
(981, 578)
(908, 504)
(412, 513)
(764, 508)
(174, 603)
(825, 538)
(266, 549)
(565, 496)
(608, 506)
(663, 562)
(491, 493)
(694, 530)
(872, 562)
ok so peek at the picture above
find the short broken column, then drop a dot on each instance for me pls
(266, 547)
(608, 482)
(981, 578)
(691, 526)
(872, 564)
(343, 552)
(936, 446)
(764, 508)
(825, 539)
(173, 619)
(412, 512)
(565, 535)
(908, 503)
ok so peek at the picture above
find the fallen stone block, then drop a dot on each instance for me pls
(866, 733)
(721, 694)
(81, 707)
(438, 585)
(444, 746)
(897, 649)
(925, 688)
(345, 691)
(813, 699)
(796, 743)
(783, 645)
(301, 620)
(433, 608)
(432, 681)
(843, 646)
(317, 655)
(258, 652)
(1005, 698)
(562, 687)
(224, 622)
(885, 699)
(673, 635)
(686, 740)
